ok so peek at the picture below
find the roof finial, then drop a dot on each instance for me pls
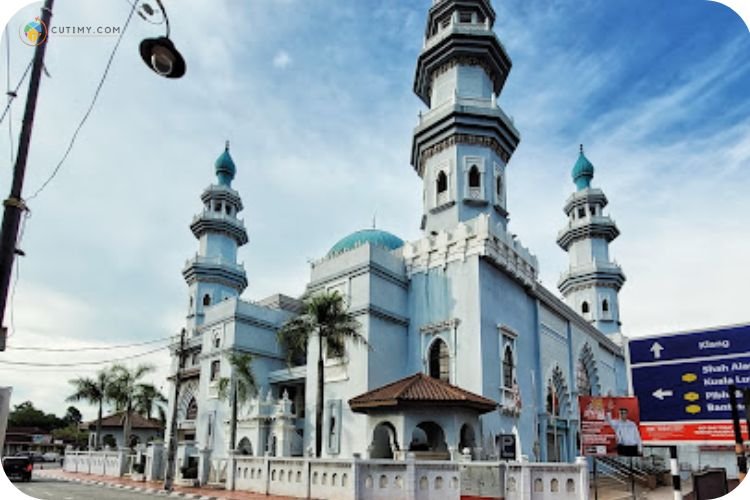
(581, 148)
(227, 145)
(374, 219)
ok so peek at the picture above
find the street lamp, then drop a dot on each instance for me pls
(159, 53)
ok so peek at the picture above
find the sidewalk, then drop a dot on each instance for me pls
(154, 487)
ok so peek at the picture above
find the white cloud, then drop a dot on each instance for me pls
(282, 59)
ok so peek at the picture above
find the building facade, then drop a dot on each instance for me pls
(465, 345)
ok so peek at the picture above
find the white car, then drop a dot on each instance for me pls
(51, 456)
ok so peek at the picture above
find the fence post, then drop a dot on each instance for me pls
(410, 477)
(356, 464)
(583, 477)
(525, 488)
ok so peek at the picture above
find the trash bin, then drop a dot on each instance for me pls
(710, 483)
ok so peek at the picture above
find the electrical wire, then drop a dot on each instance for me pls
(7, 91)
(13, 94)
(90, 108)
(81, 363)
(93, 348)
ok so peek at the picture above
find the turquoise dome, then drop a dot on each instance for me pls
(225, 168)
(374, 237)
(583, 172)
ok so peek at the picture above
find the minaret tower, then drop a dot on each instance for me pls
(213, 274)
(463, 143)
(593, 281)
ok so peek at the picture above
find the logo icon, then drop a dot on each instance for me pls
(34, 32)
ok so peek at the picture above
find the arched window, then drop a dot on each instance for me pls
(442, 182)
(499, 187)
(207, 300)
(605, 306)
(585, 307)
(508, 367)
(474, 177)
(192, 410)
(439, 359)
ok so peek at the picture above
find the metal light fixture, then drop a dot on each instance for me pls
(159, 53)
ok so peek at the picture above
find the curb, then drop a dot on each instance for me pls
(119, 486)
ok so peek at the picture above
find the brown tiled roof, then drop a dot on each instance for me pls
(420, 390)
(136, 421)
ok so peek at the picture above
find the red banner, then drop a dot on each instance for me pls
(697, 432)
(609, 426)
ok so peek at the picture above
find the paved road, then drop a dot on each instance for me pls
(52, 489)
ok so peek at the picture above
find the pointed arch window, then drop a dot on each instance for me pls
(439, 361)
(207, 300)
(442, 182)
(475, 179)
(585, 307)
(605, 306)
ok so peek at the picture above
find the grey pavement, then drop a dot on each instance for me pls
(52, 489)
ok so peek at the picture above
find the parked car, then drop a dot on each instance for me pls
(18, 467)
(35, 456)
(51, 456)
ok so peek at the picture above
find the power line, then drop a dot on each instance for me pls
(90, 108)
(7, 90)
(93, 348)
(14, 93)
(81, 363)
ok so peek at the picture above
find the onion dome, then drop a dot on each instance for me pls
(225, 168)
(583, 172)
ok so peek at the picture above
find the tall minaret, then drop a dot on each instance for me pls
(213, 274)
(593, 280)
(464, 141)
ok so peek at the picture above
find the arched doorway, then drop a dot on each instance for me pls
(384, 441)
(467, 438)
(429, 437)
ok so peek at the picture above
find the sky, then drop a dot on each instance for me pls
(316, 99)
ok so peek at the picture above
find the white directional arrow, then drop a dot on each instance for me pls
(656, 348)
(660, 394)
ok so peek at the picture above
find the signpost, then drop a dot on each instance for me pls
(682, 383)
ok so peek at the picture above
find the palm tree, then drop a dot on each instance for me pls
(242, 387)
(326, 318)
(124, 391)
(94, 390)
(147, 399)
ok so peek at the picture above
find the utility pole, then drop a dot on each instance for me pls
(14, 205)
(172, 450)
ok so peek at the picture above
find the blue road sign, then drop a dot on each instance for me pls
(685, 377)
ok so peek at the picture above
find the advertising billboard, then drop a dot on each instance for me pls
(610, 426)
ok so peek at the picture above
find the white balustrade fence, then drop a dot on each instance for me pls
(101, 463)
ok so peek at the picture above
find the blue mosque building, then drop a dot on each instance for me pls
(466, 346)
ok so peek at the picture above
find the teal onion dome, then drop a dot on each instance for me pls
(225, 168)
(374, 237)
(583, 172)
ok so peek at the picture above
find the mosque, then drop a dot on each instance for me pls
(466, 346)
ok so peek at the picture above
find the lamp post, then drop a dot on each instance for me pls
(159, 54)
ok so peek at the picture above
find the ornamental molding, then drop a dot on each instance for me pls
(469, 139)
(440, 326)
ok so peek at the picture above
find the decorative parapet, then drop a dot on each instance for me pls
(473, 237)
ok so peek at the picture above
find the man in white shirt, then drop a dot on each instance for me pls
(628, 437)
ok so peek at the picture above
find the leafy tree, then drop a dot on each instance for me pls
(149, 398)
(72, 416)
(124, 390)
(94, 390)
(326, 319)
(27, 415)
(240, 387)
(72, 435)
